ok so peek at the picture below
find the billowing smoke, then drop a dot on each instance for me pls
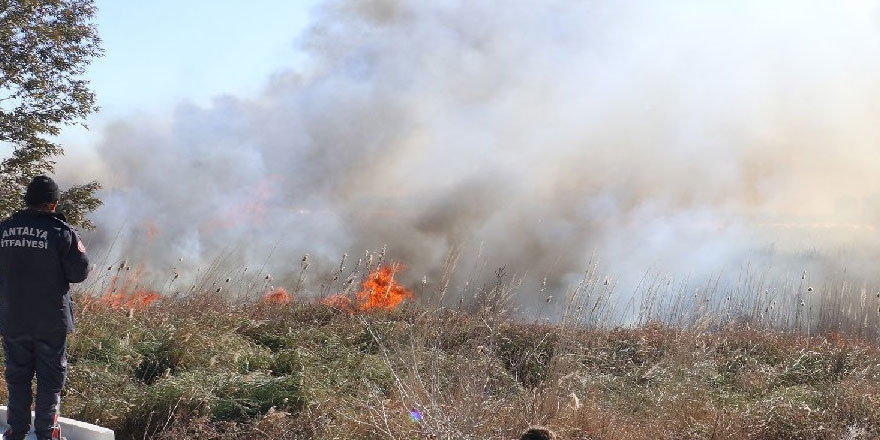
(690, 138)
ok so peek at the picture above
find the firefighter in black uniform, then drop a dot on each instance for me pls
(40, 255)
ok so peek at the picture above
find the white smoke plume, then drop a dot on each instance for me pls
(690, 137)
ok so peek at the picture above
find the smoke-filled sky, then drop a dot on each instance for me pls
(686, 137)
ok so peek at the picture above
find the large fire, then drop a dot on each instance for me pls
(380, 291)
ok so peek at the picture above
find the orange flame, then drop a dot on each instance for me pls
(277, 296)
(137, 300)
(124, 291)
(380, 291)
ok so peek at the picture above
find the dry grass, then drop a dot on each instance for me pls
(752, 360)
(204, 367)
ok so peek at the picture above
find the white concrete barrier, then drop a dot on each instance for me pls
(70, 429)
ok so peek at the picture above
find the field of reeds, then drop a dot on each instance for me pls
(755, 362)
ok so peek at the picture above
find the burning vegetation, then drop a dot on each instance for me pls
(137, 300)
(379, 291)
(277, 296)
(126, 291)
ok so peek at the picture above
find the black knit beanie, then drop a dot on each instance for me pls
(42, 189)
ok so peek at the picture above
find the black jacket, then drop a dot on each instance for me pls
(40, 255)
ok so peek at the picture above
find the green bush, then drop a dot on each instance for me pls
(274, 336)
(158, 356)
(247, 397)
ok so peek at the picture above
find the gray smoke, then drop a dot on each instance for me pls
(689, 137)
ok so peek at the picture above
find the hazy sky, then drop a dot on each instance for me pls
(162, 52)
(686, 136)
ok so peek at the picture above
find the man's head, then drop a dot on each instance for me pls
(42, 194)
(538, 433)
